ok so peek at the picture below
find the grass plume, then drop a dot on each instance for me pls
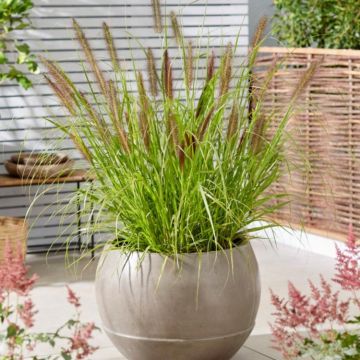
(157, 15)
(64, 96)
(60, 85)
(305, 80)
(90, 56)
(176, 29)
(173, 130)
(205, 124)
(189, 67)
(151, 68)
(233, 121)
(80, 145)
(115, 117)
(226, 70)
(167, 75)
(144, 110)
(210, 66)
(111, 47)
(259, 32)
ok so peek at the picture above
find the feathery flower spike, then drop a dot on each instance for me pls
(176, 28)
(151, 67)
(259, 32)
(90, 57)
(305, 80)
(157, 15)
(167, 75)
(144, 109)
(111, 47)
(226, 71)
(189, 66)
(205, 124)
(210, 66)
(80, 145)
(233, 121)
(114, 105)
(64, 96)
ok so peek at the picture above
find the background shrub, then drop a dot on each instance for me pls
(325, 24)
(16, 59)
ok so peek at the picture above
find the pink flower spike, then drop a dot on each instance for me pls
(351, 240)
(26, 312)
(348, 264)
(72, 298)
(14, 273)
(80, 341)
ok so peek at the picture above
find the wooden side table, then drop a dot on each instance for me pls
(77, 177)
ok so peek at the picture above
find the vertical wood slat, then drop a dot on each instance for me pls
(308, 147)
(350, 137)
(325, 131)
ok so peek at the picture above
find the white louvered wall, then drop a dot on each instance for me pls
(22, 124)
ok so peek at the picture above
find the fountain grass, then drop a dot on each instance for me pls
(177, 170)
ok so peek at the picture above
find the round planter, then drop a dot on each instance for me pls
(194, 309)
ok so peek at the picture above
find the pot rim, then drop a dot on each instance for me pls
(239, 247)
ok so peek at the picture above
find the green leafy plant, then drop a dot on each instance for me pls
(14, 16)
(174, 174)
(325, 24)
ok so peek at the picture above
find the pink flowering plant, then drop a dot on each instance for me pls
(17, 312)
(319, 325)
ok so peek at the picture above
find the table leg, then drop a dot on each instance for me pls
(92, 221)
(79, 218)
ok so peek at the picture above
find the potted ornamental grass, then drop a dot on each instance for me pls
(182, 175)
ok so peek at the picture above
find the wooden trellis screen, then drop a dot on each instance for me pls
(324, 144)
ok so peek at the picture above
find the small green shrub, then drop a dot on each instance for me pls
(14, 16)
(325, 24)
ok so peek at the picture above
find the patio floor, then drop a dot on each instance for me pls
(277, 266)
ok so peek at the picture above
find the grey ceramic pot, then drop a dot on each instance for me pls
(194, 310)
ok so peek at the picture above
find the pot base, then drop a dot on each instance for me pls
(134, 347)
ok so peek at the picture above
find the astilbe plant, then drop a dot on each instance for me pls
(178, 169)
(319, 325)
(17, 317)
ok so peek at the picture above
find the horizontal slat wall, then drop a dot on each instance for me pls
(22, 124)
